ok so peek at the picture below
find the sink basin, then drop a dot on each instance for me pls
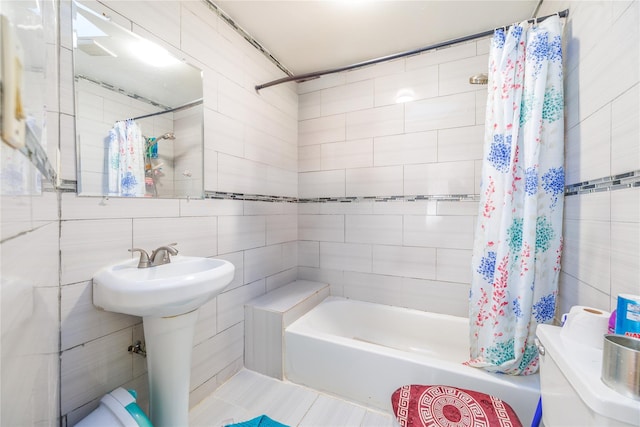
(167, 298)
(165, 290)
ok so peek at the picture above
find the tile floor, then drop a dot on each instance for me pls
(249, 394)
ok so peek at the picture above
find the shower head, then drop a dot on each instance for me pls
(168, 135)
(479, 79)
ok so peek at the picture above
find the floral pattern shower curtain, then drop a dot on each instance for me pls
(126, 160)
(518, 242)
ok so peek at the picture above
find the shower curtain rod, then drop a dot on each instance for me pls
(172, 110)
(316, 74)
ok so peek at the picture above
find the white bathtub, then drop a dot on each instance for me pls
(363, 352)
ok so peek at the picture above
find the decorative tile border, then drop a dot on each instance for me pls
(412, 198)
(250, 197)
(608, 183)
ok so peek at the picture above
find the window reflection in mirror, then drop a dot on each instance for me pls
(139, 129)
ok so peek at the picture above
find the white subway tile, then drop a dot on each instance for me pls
(326, 228)
(589, 206)
(454, 75)
(87, 246)
(30, 242)
(454, 265)
(439, 56)
(440, 178)
(572, 292)
(215, 354)
(375, 229)
(380, 121)
(584, 88)
(586, 252)
(281, 182)
(284, 277)
(350, 97)
(210, 207)
(436, 297)
(373, 288)
(379, 181)
(445, 207)
(309, 158)
(345, 256)
(223, 134)
(195, 236)
(262, 262)
(589, 148)
(360, 207)
(417, 84)
(625, 205)
(464, 143)
(309, 254)
(262, 147)
(441, 113)
(206, 326)
(74, 207)
(321, 184)
(237, 175)
(230, 310)
(378, 70)
(94, 369)
(282, 228)
(82, 322)
(344, 155)
(625, 128)
(308, 105)
(331, 80)
(322, 129)
(404, 261)
(453, 232)
(406, 148)
(625, 258)
(481, 107)
(236, 233)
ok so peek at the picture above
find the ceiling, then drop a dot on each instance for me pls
(313, 35)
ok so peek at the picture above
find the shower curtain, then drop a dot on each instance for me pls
(125, 168)
(518, 240)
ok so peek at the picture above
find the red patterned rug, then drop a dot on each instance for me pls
(444, 406)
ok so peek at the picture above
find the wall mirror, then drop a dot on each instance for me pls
(139, 117)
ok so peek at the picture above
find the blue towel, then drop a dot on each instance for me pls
(261, 421)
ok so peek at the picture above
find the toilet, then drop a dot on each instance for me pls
(117, 409)
(572, 392)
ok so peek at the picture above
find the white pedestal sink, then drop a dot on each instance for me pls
(167, 298)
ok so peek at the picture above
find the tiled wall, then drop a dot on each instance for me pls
(407, 247)
(259, 238)
(601, 256)
(354, 141)
(60, 354)
(29, 231)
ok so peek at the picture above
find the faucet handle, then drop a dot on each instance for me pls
(144, 257)
(163, 253)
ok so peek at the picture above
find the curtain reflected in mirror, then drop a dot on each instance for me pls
(139, 116)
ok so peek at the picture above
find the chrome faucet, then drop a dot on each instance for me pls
(159, 256)
(162, 254)
(144, 257)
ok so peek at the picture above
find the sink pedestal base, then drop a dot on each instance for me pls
(169, 341)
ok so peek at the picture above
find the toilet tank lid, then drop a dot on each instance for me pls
(582, 365)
